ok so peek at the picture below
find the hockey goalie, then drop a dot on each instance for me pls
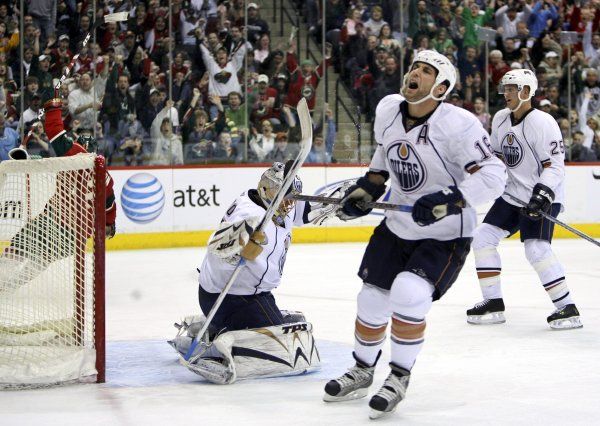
(249, 335)
(64, 221)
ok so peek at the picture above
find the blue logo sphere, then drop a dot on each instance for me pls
(142, 198)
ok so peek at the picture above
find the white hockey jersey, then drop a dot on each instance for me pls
(533, 152)
(259, 275)
(449, 147)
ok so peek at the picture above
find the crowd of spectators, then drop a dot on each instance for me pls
(226, 95)
(373, 46)
(229, 94)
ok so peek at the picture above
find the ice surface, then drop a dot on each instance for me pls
(518, 373)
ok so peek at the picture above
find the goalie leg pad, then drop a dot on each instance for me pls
(282, 350)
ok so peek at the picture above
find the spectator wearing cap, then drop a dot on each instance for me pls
(61, 55)
(9, 139)
(553, 67)
(541, 14)
(151, 109)
(262, 99)
(456, 100)
(43, 13)
(131, 138)
(283, 150)
(36, 142)
(31, 114)
(304, 79)
(40, 66)
(255, 25)
(509, 50)
(127, 46)
(86, 100)
(507, 17)
(280, 85)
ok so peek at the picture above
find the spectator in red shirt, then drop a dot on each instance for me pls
(304, 79)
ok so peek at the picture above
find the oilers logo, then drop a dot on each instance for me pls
(407, 166)
(512, 150)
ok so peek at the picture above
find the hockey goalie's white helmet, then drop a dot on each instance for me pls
(519, 78)
(270, 183)
(445, 73)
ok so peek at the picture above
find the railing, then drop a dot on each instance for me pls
(357, 123)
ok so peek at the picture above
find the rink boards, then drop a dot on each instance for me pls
(178, 207)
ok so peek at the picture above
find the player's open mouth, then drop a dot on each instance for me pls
(413, 85)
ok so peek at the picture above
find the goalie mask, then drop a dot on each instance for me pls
(446, 73)
(520, 79)
(270, 183)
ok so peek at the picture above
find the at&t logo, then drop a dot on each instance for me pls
(142, 198)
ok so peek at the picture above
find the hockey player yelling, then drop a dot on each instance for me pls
(249, 335)
(437, 159)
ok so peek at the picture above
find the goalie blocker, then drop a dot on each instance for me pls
(282, 350)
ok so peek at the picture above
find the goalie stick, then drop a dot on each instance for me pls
(558, 222)
(305, 145)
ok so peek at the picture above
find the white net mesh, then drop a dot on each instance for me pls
(47, 271)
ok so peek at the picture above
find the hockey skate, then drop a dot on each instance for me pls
(391, 393)
(565, 318)
(490, 311)
(352, 385)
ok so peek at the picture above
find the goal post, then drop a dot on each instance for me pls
(52, 229)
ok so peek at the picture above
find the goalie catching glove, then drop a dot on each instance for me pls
(237, 238)
(321, 212)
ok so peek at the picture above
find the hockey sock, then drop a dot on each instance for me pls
(368, 340)
(550, 271)
(408, 336)
(487, 259)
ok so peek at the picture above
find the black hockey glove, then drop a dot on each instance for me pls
(541, 200)
(432, 207)
(363, 191)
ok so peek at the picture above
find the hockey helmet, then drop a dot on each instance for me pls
(520, 78)
(445, 73)
(270, 183)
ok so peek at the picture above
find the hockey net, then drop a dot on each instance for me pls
(52, 226)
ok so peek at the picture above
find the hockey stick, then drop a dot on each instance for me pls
(558, 222)
(305, 145)
(363, 205)
(111, 17)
